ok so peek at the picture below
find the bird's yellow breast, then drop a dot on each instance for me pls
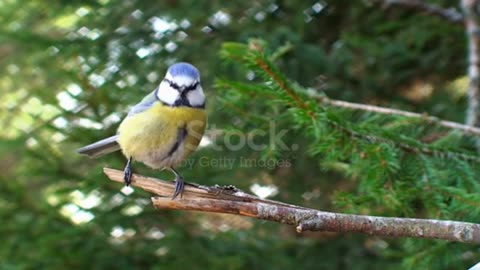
(153, 136)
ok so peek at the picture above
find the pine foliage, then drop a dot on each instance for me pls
(394, 170)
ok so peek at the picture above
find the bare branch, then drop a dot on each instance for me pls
(470, 18)
(425, 117)
(450, 14)
(233, 201)
(473, 31)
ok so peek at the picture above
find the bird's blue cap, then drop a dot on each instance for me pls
(184, 69)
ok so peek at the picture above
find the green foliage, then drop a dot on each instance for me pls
(70, 69)
(395, 172)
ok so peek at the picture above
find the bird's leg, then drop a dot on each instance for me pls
(127, 177)
(179, 184)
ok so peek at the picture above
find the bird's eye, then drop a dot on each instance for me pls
(174, 85)
(191, 87)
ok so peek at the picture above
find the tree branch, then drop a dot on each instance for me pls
(473, 31)
(371, 108)
(233, 201)
(471, 20)
(450, 14)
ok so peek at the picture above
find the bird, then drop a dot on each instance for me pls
(164, 128)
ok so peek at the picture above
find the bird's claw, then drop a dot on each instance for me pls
(179, 187)
(127, 177)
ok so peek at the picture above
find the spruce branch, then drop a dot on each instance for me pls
(283, 84)
(233, 201)
(255, 58)
(450, 14)
(408, 147)
(324, 100)
(389, 111)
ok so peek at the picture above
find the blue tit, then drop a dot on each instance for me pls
(164, 128)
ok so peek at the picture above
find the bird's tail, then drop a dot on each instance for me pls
(101, 147)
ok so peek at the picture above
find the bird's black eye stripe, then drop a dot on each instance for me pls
(177, 87)
(191, 87)
(172, 84)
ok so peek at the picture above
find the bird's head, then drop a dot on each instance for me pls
(181, 87)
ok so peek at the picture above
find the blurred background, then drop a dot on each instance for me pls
(69, 70)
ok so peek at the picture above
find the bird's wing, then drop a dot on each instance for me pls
(110, 144)
(145, 104)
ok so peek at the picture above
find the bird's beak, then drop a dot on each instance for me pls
(182, 89)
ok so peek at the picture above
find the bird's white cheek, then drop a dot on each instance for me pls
(196, 97)
(167, 94)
